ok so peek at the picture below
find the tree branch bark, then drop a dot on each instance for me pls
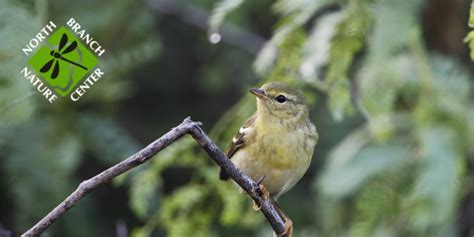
(186, 127)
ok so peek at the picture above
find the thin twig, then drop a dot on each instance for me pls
(186, 127)
(16, 101)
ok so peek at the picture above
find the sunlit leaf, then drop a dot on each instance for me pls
(220, 11)
(470, 36)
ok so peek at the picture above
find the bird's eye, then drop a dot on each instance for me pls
(281, 99)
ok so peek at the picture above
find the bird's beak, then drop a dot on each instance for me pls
(258, 92)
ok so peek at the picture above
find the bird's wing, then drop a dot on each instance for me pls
(238, 142)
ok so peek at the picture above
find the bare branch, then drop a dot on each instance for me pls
(186, 127)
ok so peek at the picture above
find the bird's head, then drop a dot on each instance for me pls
(279, 100)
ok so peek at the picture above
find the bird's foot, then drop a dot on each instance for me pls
(262, 192)
(256, 207)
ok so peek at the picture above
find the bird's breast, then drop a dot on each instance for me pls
(283, 150)
(280, 155)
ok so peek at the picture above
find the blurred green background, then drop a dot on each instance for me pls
(389, 85)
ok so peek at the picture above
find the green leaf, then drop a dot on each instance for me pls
(265, 58)
(448, 101)
(388, 63)
(340, 100)
(220, 11)
(392, 29)
(438, 184)
(470, 36)
(233, 204)
(40, 167)
(471, 15)
(351, 165)
(346, 43)
(143, 194)
(470, 126)
(295, 14)
(376, 206)
(316, 49)
(178, 216)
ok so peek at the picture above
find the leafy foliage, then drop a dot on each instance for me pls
(219, 13)
(470, 37)
(346, 43)
(182, 211)
(415, 104)
(14, 90)
(44, 146)
(395, 116)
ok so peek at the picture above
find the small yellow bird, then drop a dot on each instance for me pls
(276, 144)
